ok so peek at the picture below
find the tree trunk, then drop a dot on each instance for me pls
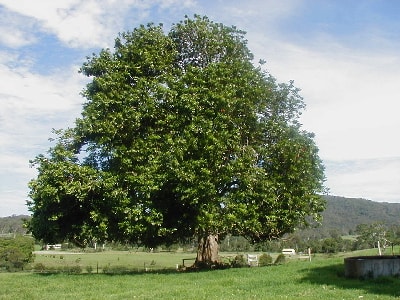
(207, 251)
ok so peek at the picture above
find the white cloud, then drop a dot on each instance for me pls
(76, 23)
(262, 11)
(373, 179)
(165, 4)
(13, 30)
(350, 96)
(13, 202)
(32, 94)
(32, 105)
(352, 103)
(90, 23)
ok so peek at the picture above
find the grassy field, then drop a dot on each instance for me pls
(322, 278)
(137, 261)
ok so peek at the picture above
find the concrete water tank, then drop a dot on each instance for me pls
(372, 266)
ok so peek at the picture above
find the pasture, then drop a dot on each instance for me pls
(322, 278)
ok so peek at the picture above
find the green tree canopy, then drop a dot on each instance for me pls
(180, 136)
(16, 252)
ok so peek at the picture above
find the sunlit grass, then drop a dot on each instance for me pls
(99, 260)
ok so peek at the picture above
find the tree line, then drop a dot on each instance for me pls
(365, 236)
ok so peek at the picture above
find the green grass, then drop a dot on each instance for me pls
(99, 260)
(322, 278)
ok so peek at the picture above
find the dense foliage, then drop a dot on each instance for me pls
(15, 252)
(181, 136)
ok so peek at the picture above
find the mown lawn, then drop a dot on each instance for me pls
(321, 278)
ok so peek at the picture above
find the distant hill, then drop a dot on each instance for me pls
(13, 225)
(344, 214)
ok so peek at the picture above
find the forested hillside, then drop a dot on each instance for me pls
(344, 214)
(12, 225)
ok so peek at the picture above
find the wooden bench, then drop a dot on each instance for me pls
(252, 260)
(184, 259)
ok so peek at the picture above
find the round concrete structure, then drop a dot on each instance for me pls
(372, 266)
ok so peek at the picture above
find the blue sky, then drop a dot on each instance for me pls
(342, 54)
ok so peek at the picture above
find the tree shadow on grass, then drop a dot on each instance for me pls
(333, 275)
(117, 270)
(121, 270)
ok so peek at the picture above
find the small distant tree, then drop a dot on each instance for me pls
(330, 245)
(15, 253)
(394, 234)
(181, 136)
(370, 234)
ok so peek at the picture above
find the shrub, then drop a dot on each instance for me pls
(11, 259)
(39, 267)
(106, 269)
(89, 269)
(117, 270)
(239, 261)
(264, 260)
(74, 269)
(280, 259)
(16, 252)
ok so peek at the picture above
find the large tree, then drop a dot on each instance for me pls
(181, 136)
